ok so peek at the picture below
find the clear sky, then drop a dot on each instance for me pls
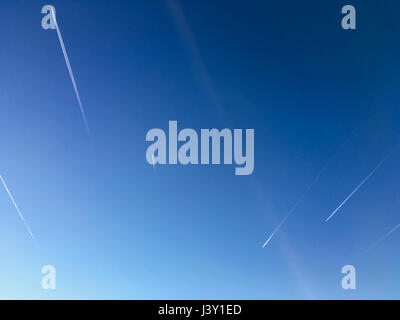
(115, 228)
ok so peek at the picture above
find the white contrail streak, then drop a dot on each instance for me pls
(16, 207)
(304, 193)
(356, 189)
(278, 227)
(295, 206)
(71, 74)
(383, 238)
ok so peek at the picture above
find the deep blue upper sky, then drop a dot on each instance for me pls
(115, 228)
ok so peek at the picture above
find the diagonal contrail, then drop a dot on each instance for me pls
(279, 226)
(356, 189)
(383, 238)
(305, 192)
(16, 207)
(71, 74)
(296, 204)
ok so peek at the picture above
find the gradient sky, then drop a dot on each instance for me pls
(115, 229)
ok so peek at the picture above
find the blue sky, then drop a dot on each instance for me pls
(115, 229)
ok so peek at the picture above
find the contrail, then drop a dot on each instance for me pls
(295, 205)
(16, 207)
(71, 74)
(306, 191)
(383, 238)
(279, 226)
(356, 189)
